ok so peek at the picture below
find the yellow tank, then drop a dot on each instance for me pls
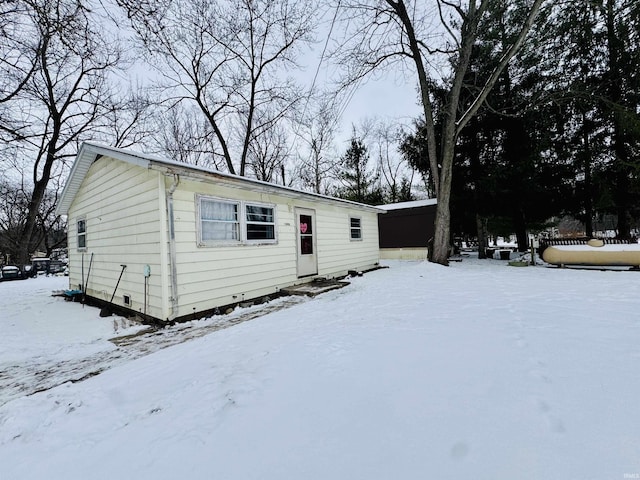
(595, 252)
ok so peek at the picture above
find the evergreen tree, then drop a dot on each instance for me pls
(358, 184)
(560, 130)
(598, 52)
(404, 192)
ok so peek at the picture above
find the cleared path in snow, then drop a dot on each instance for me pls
(44, 372)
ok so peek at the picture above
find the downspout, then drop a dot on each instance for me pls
(172, 247)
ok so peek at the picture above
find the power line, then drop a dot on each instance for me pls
(315, 77)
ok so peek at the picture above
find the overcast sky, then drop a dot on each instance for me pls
(387, 99)
(389, 96)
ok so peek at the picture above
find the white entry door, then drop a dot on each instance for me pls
(306, 242)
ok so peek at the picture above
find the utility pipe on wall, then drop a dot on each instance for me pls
(172, 247)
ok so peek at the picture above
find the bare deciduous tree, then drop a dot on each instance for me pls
(49, 232)
(185, 136)
(63, 98)
(316, 134)
(267, 154)
(18, 60)
(404, 34)
(128, 119)
(396, 173)
(228, 58)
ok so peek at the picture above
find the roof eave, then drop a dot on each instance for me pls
(252, 184)
(89, 152)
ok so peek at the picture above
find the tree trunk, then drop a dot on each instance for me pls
(621, 194)
(520, 225)
(442, 166)
(39, 189)
(425, 89)
(476, 176)
(622, 203)
(481, 225)
(442, 234)
(588, 188)
(26, 237)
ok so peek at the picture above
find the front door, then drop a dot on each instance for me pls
(306, 242)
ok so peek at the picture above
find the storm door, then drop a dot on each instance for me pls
(306, 242)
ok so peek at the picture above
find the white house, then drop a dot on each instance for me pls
(179, 240)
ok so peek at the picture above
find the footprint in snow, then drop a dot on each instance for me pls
(555, 424)
(459, 451)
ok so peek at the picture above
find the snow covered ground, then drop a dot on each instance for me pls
(75, 343)
(417, 371)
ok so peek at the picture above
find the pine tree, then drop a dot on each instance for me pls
(358, 183)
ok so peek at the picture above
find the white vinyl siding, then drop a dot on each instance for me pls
(336, 251)
(231, 272)
(125, 208)
(120, 203)
(81, 233)
(226, 274)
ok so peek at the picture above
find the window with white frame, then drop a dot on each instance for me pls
(219, 221)
(227, 221)
(261, 223)
(81, 233)
(356, 228)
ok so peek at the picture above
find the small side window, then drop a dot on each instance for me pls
(81, 228)
(356, 228)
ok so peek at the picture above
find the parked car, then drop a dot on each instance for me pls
(11, 272)
(47, 266)
(56, 266)
(29, 271)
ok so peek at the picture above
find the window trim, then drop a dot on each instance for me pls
(199, 229)
(246, 222)
(83, 219)
(352, 228)
(242, 223)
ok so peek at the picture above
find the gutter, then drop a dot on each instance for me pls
(172, 247)
(244, 183)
